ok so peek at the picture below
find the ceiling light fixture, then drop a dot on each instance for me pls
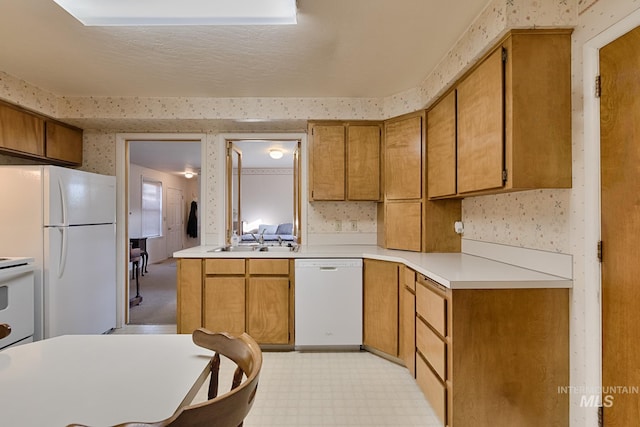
(276, 153)
(183, 12)
(188, 174)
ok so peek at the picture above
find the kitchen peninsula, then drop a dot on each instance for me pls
(481, 337)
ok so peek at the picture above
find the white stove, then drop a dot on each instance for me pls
(8, 262)
(16, 301)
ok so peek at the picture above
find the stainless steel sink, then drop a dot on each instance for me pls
(254, 248)
(279, 248)
(234, 249)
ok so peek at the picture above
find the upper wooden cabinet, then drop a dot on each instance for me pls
(441, 147)
(63, 143)
(481, 127)
(403, 157)
(29, 135)
(344, 161)
(513, 120)
(21, 132)
(327, 162)
(363, 162)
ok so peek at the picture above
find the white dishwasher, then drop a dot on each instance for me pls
(328, 304)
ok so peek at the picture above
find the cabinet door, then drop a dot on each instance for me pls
(21, 131)
(403, 159)
(63, 143)
(380, 299)
(481, 127)
(327, 161)
(224, 308)
(403, 225)
(189, 295)
(268, 309)
(363, 162)
(407, 345)
(441, 148)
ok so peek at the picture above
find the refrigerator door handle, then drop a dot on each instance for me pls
(63, 252)
(63, 201)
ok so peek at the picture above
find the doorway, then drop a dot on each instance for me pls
(620, 227)
(164, 159)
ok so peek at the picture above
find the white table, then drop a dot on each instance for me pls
(98, 380)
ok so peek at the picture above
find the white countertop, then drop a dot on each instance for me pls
(98, 379)
(453, 270)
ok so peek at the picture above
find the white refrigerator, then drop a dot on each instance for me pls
(65, 220)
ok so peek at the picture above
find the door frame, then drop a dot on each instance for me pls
(122, 206)
(592, 232)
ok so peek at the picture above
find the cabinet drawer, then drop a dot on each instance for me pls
(432, 307)
(433, 389)
(409, 278)
(269, 266)
(224, 266)
(432, 348)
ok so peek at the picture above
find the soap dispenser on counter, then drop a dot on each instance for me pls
(235, 239)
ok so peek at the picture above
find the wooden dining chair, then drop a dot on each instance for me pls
(220, 410)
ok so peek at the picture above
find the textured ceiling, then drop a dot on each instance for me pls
(340, 48)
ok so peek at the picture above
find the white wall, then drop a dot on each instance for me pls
(267, 194)
(157, 246)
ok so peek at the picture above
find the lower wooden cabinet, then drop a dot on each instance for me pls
(189, 294)
(380, 311)
(493, 357)
(237, 295)
(407, 334)
(268, 309)
(224, 304)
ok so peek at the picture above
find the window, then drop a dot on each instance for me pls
(151, 208)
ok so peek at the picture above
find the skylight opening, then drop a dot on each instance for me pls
(181, 12)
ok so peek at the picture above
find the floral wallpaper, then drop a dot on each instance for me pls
(323, 216)
(536, 219)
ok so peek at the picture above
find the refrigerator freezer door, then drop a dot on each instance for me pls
(80, 280)
(76, 197)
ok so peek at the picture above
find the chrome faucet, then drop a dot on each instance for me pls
(260, 239)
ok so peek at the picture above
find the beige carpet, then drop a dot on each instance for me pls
(158, 290)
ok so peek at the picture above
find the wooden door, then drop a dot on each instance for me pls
(380, 300)
(268, 309)
(175, 229)
(620, 228)
(441, 148)
(363, 162)
(481, 126)
(403, 158)
(327, 160)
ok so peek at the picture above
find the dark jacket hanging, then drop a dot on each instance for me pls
(192, 224)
